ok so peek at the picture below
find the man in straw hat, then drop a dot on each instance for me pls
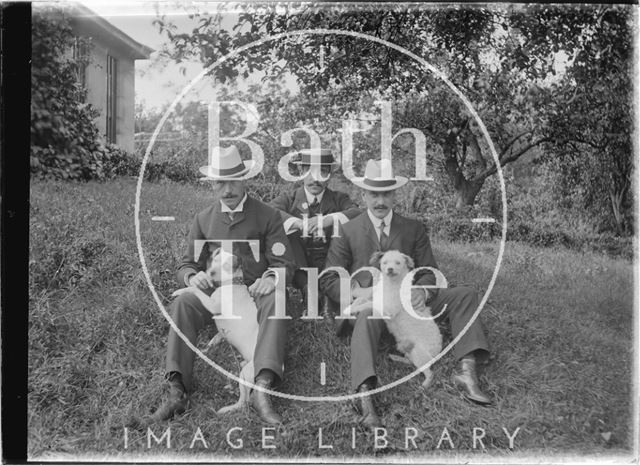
(380, 228)
(311, 199)
(232, 215)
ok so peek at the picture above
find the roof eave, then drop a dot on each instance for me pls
(137, 50)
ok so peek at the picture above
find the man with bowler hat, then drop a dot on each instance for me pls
(313, 198)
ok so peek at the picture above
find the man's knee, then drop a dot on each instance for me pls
(364, 314)
(463, 294)
(468, 295)
(184, 305)
(366, 317)
(274, 303)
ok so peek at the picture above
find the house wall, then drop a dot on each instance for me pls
(96, 83)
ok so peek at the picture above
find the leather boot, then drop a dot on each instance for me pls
(175, 404)
(465, 378)
(262, 403)
(367, 410)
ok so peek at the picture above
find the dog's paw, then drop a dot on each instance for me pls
(229, 408)
(400, 359)
(427, 381)
(215, 341)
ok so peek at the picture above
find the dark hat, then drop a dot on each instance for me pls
(315, 157)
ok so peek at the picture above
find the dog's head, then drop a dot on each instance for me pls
(392, 263)
(222, 267)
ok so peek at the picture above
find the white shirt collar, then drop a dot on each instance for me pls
(224, 208)
(311, 196)
(376, 221)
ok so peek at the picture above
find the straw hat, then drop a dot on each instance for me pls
(226, 164)
(378, 176)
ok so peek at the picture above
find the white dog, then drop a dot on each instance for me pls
(240, 333)
(420, 340)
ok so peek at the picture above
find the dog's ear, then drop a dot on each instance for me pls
(375, 259)
(236, 263)
(409, 261)
(216, 252)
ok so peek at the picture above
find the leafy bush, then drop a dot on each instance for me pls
(459, 228)
(65, 143)
(118, 162)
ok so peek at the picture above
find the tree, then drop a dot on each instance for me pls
(592, 126)
(503, 60)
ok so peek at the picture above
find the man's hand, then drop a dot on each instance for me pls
(359, 305)
(418, 299)
(328, 221)
(364, 293)
(201, 280)
(296, 225)
(315, 225)
(262, 286)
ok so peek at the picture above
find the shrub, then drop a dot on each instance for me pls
(65, 143)
(118, 162)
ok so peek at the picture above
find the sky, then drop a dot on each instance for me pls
(157, 82)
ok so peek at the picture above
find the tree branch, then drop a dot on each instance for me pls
(511, 158)
(524, 150)
(514, 139)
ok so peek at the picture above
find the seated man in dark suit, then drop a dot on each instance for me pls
(381, 229)
(232, 215)
(313, 198)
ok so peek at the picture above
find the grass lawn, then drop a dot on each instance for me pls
(559, 322)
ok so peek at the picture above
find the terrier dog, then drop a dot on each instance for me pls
(225, 271)
(420, 340)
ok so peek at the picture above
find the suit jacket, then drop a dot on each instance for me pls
(358, 241)
(257, 221)
(290, 205)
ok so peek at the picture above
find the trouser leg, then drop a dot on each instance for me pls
(190, 316)
(364, 347)
(462, 303)
(272, 337)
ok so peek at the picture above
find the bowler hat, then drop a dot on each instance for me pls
(315, 157)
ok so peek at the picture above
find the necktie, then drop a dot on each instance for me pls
(313, 208)
(230, 215)
(384, 239)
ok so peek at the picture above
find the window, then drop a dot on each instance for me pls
(81, 58)
(112, 72)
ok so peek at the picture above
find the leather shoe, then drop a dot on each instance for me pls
(175, 404)
(367, 410)
(465, 378)
(262, 403)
